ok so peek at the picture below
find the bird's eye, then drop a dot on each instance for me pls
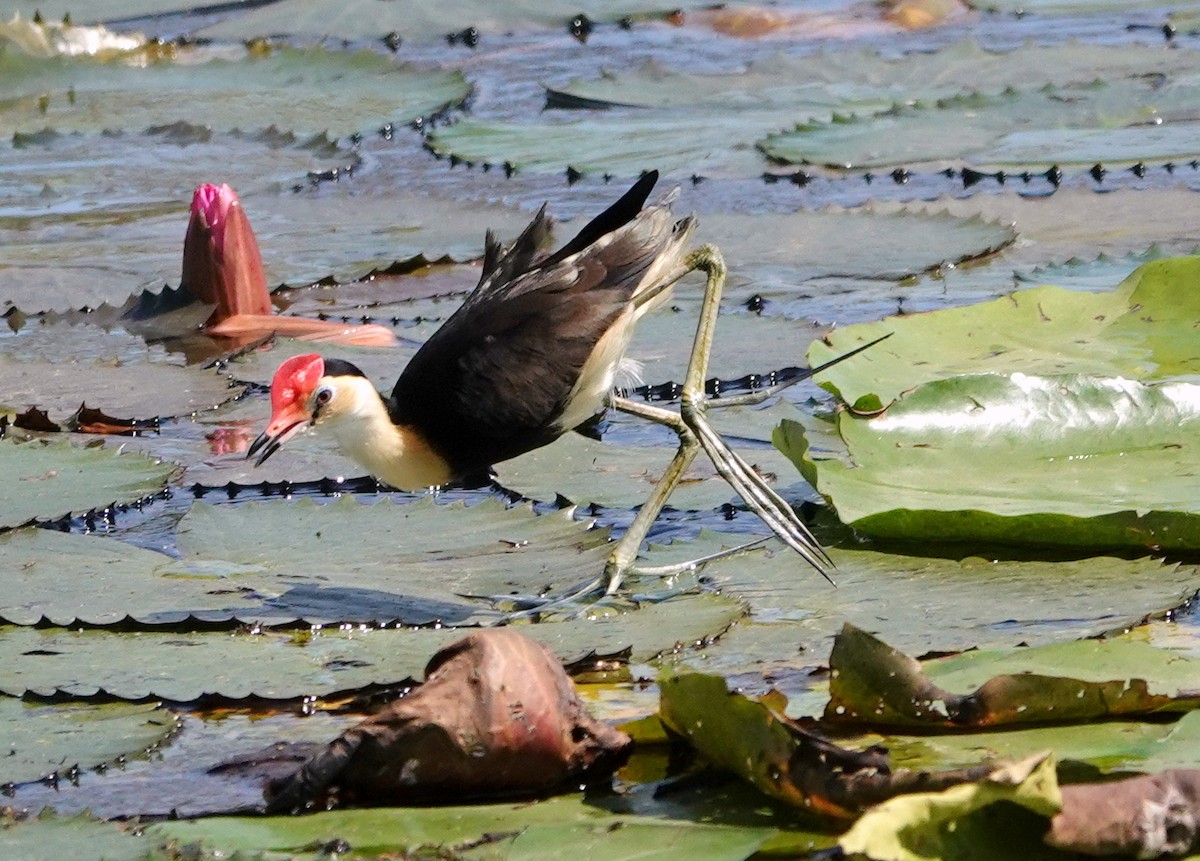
(324, 396)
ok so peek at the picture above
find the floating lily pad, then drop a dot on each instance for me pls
(48, 837)
(1122, 121)
(1112, 746)
(39, 740)
(288, 88)
(1062, 225)
(546, 829)
(777, 250)
(706, 124)
(425, 20)
(46, 481)
(136, 389)
(922, 604)
(1078, 461)
(317, 566)
(184, 667)
(1142, 330)
(862, 79)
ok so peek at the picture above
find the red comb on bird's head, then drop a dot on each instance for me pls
(295, 380)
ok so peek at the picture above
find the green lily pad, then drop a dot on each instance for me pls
(40, 740)
(287, 666)
(421, 559)
(1141, 330)
(584, 470)
(1062, 226)
(707, 123)
(1111, 746)
(546, 829)
(777, 250)
(1078, 461)
(48, 837)
(426, 20)
(920, 604)
(46, 481)
(230, 88)
(137, 389)
(1121, 121)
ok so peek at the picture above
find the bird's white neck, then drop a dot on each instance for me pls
(397, 455)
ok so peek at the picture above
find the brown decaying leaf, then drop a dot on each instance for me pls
(1144, 816)
(89, 420)
(757, 741)
(34, 419)
(497, 716)
(873, 683)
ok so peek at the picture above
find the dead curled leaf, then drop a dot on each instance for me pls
(496, 716)
(871, 682)
(755, 740)
(1144, 816)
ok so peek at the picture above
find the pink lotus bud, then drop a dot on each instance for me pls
(221, 261)
(223, 266)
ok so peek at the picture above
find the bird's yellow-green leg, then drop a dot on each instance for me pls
(696, 433)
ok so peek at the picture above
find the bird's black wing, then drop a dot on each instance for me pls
(490, 383)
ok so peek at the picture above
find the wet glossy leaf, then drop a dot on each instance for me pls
(39, 740)
(44, 482)
(1070, 460)
(965, 821)
(183, 667)
(871, 682)
(295, 90)
(1141, 330)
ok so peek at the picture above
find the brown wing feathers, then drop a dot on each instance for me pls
(491, 382)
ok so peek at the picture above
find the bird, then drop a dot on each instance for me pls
(531, 354)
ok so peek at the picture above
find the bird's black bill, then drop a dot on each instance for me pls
(270, 444)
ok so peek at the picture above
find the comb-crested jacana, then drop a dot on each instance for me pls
(531, 354)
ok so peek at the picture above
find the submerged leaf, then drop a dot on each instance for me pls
(41, 740)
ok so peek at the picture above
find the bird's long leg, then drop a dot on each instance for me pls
(695, 433)
(758, 495)
(622, 558)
